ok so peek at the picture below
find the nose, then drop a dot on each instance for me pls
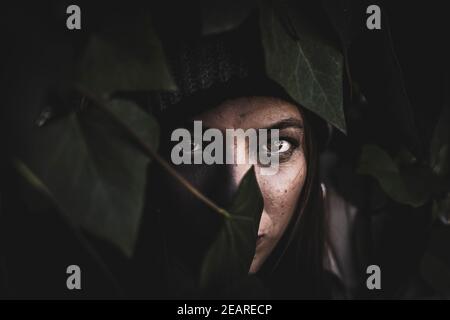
(237, 173)
(238, 162)
(227, 178)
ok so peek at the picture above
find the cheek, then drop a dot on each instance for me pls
(281, 192)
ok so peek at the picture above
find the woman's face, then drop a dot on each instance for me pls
(280, 191)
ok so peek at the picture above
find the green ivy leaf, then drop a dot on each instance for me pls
(306, 66)
(93, 172)
(230, 256)
(221, 16)
(411, 185)
(129, 58)
(441, 209)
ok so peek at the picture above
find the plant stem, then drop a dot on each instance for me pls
(155, 156)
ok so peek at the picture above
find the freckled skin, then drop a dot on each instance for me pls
(281, 191)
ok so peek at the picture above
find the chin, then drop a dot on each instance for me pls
(254, 267)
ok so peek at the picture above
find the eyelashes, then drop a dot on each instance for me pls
(284, 147)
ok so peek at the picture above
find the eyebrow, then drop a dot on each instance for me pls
(286, 123)
(282, 124)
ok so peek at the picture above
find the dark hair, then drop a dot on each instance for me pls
(295, 269)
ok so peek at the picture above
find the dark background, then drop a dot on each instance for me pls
(37, 245)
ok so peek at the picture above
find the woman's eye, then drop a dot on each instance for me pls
(280, 146)
(194, 147)
(191, 148)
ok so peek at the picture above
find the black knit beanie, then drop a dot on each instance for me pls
(209, 70)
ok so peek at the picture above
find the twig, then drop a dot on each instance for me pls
(155, 156)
